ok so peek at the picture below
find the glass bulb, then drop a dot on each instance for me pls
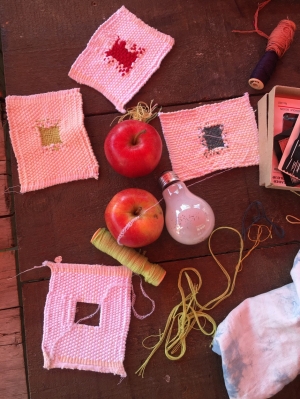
(189, 219)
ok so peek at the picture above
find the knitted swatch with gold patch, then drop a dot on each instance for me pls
(120, 57)
(211, 137)
(75, 344)
(49, 139)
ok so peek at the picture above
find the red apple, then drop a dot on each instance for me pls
(126, 206)
(133, 148)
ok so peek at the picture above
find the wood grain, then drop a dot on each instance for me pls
(13, 382)
(10, 333)
(200, 369)
(5, 204)
(13, 377)
(6, 239)
(2, 146)
(207, 62)
(8, 281)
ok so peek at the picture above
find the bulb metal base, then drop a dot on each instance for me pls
(167, 178)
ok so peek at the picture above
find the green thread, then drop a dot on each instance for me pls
(190, 313)
(138, 263)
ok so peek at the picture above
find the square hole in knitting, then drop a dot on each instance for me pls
(212, 135)
(86, 313)
(49, 135)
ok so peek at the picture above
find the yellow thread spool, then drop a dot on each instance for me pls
(138, 263)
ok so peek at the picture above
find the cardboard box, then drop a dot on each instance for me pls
(278, 111)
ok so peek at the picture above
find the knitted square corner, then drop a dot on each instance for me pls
(120, 57)
(49, 139)
(211, 137)
(70, 344)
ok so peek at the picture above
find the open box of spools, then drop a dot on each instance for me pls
(279, 139)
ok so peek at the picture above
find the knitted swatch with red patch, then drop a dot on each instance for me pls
(49, 139)
(120, 57)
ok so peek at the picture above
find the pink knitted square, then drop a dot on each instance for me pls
(70, 344)
(120, 57)
(211, 137)
(49, 139)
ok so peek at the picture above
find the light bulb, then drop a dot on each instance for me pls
(189, 219)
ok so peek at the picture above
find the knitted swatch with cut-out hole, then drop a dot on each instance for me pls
(211, 137)
(120, 57)
(49, 139)
(69, 344)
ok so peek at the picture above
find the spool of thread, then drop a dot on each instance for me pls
(138, 263)
(278, 42)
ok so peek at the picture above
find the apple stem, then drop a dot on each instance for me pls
(135, 138)
(137, 212)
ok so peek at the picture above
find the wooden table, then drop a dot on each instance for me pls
(41, 40)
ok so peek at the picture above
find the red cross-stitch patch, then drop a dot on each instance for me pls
(124, 56)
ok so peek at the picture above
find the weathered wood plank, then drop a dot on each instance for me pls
(13, 380)
(10, 327)
(3, 168)
(8, 281)
(2, 145)
(6, 239)
(4, 197)
(208, 61)
(200, 370)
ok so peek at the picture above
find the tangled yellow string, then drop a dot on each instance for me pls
(189, 313)
(141, 112)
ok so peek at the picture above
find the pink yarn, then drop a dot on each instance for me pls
(49, 139)
(120, 57)
(187, 132)
(67, 344)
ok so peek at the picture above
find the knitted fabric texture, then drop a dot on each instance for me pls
(211, 137)
(120, 57)
(49, 139)
(69, 344)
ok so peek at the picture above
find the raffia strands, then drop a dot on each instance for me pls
(138, 263)
(141, 112)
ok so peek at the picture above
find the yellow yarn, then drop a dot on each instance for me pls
(190, 313)
(138, 263)
(292, 219)
(141, 112)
